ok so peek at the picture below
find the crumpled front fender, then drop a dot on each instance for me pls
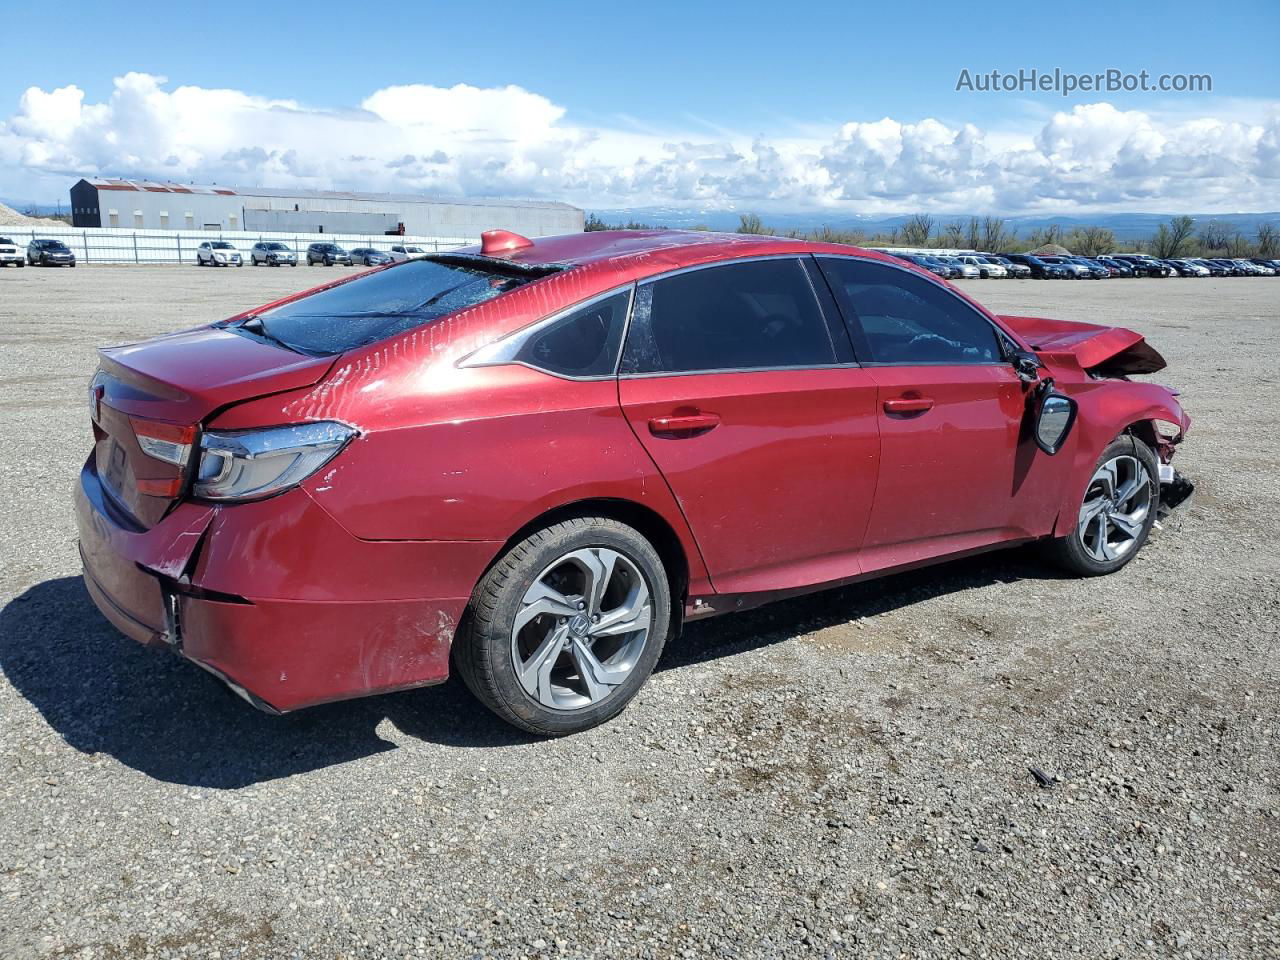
(1109, 408)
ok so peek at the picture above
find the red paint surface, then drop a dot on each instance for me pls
(770, 482)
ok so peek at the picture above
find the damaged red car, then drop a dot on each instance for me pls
(534, 461)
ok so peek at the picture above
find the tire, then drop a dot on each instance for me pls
(544, 566)
(1082, 551)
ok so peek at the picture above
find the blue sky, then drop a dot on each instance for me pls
(617, 84)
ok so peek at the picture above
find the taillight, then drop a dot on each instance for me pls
(170, 443)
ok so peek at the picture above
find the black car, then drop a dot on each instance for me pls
(369, 256)
(50, 253)
(328, 254)
(1040, 269)
(1143, 265)
(1121, 268)
(934, 267)
(1215, 269)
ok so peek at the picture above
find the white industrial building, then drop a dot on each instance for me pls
(151, 205)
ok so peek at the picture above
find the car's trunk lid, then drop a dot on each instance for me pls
(1107, 351)
(163, 389)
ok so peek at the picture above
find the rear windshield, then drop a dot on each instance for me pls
(384, 303)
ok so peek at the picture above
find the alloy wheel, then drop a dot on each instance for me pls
(1115, 508)
(581, 627)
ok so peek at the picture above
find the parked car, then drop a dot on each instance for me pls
(218, 253)
(966, 270)
(1232, 268)
(933, 266)
(1019, 271)
(1096, 270)
(327, 254)
(50, 253)
(497, 458)
(1252, 269)
(1040, 270)
(400, 252)
(987, 269)
(952, 271)
(1189, 268)
(1121, 268)
(10, 254)
(1265, 262)
(1075, 270)
(1143, 265)
(370, 257)
(273, 253)
(1215, 269)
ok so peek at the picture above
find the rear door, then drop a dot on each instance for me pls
(738, 379)
(958, 468)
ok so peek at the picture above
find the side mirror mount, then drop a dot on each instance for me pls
(1026, 365)
(1055, 415)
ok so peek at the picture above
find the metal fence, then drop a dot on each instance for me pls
(114, 245)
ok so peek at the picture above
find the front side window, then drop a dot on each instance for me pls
(756, 314)
(381, 304)
(900, 317)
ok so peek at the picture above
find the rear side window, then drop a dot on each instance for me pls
(383, 303)
(736, 316)
(581, 343)
(902, 318)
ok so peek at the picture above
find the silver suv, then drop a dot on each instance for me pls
(273, 253)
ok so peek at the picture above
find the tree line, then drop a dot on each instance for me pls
(1180, 237)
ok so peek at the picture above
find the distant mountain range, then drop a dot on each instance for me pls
(1127, 227)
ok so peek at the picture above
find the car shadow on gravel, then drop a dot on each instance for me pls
(165, 717)
(168, 719)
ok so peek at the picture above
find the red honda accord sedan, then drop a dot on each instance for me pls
(537, 459)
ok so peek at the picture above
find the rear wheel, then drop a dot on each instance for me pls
(1116, 511)
(566, 627)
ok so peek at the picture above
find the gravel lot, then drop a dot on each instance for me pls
(841, 775)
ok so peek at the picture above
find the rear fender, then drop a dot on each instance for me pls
(1107, 410)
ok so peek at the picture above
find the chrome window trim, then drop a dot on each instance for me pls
(1003, 338)
(469, 362)
(798, 256)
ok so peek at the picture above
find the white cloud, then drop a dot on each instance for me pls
(507, 140)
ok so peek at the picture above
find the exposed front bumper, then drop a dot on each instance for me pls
(276, 598)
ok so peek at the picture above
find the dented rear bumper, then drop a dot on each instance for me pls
(281, 603)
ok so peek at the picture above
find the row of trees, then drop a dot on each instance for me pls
(1180, 237)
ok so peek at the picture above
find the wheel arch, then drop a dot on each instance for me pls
(1132, 411)
(643, 519)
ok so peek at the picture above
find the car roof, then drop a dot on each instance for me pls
(638, 253)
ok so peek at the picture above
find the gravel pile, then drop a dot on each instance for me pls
(12, 218)
(845, 775)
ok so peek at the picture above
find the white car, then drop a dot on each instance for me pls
(967, 270)
(218, 253)
(10, 254)
(1193, 268)
(987, 269)
(402, 252)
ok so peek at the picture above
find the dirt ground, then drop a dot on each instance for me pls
(841, 775)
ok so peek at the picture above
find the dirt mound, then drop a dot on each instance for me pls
(12, 218)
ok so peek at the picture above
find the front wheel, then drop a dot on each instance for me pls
(1116, 511)
(566, 627)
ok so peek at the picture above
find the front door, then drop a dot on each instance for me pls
(737, 380)
(958, 467)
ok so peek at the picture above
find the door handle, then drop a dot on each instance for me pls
(908, 405)
(683, 425)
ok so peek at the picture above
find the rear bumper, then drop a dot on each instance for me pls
(276, 599)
